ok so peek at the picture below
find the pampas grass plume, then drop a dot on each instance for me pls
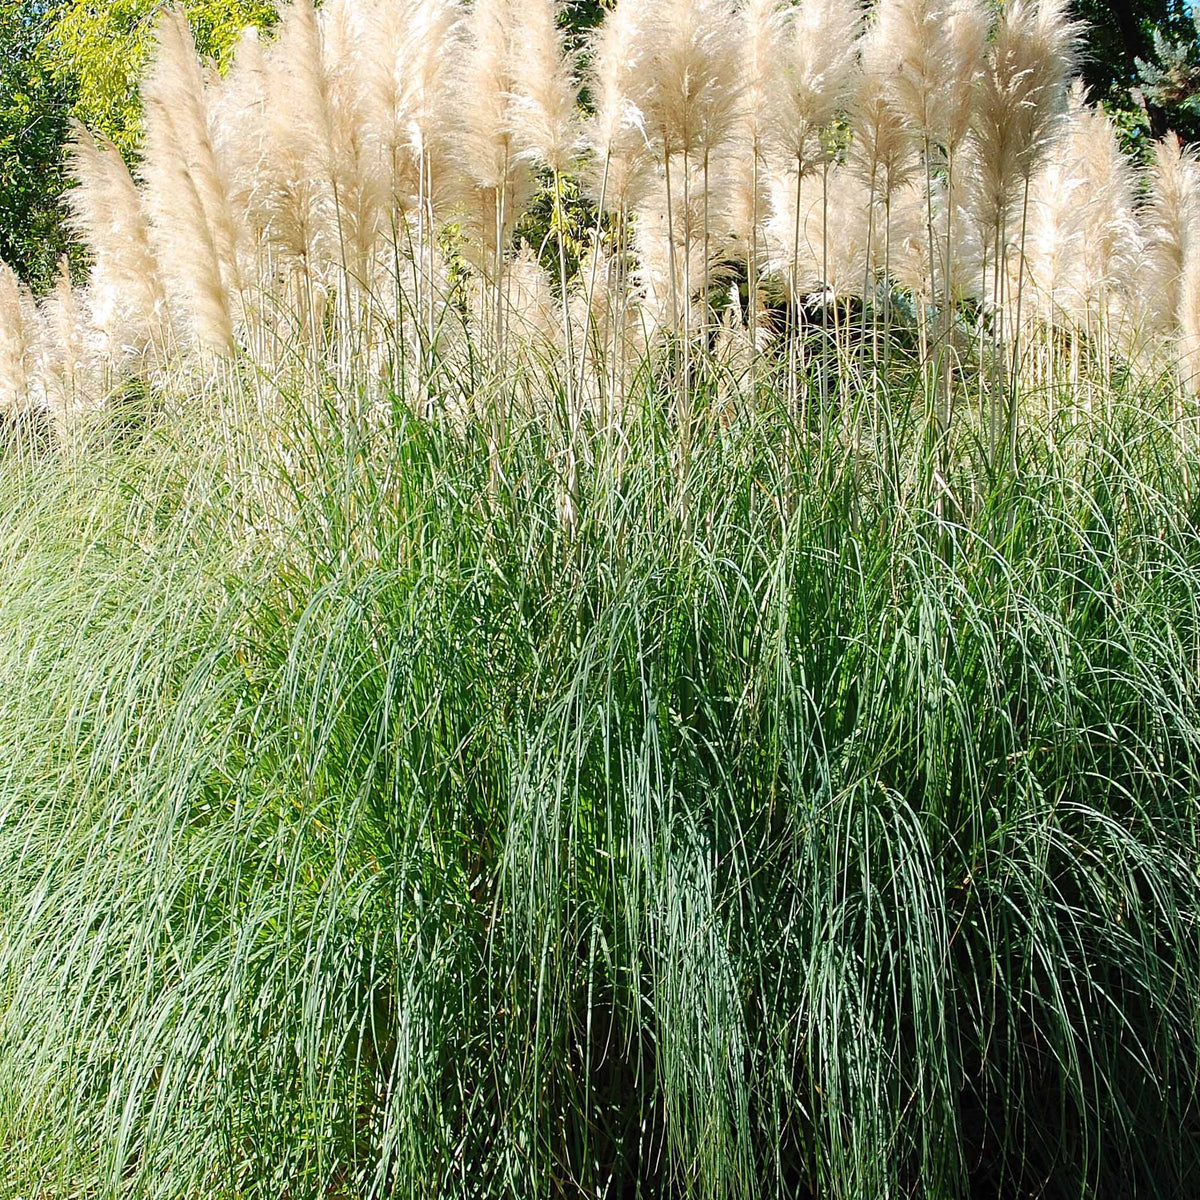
(191, 224)
(432, 42)
(125, 288)
(178, 126)
(66, 360)
(298, 164)
(1109, 241)
(881, 148)
(670, 244)
(1022, 94)
(18, 339)
(1170, 215)
(237, 108)
(1056, 198)
(487, 85)
(833, 234)
(360, 182)
(692, 75)
(410, 47)
(746, 161)
(1189, 323)
(916, 34)
(968, 25)
(545, 127)
(534, 315)
(818, 73)
(616, 131)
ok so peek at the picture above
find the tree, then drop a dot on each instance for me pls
(1171, 79)
(1120, 35)
(33, 124)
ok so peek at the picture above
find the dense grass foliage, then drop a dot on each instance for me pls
(704, 706)
(365, 829)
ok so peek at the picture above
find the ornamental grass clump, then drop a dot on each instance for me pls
(685, 692)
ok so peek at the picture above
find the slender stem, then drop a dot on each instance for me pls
(620, 339)
(752, 263)
(420, 225)
(430, 237)
(1012, 403)
(591, 292)
(927, 151)
(705, 309)
(794, 323)
(498, 210)
(887, 277)
(867, 274)
(948, 297)
(671, 262)
(982, 322)
(559, 221)
(685, 410)
(687, 273)
(425, 370)
(993, 391)
(1000, 355)
(826, 293)
(501, 231)
(569, 373)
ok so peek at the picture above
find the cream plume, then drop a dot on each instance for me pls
(533, 313)
(1188, 362)
(237, 107)
(18, 343)
(820, 60)
(297, 200)
(67, 361)
(616, 132)
(762, 33)
(125, 290)
(832, 234)
(496, 180)
(411, 44)
(433, 41)
(1054, 230)
(968, 24)
(882, 150)
(917, 36)
(691, 75)
(544, 120)
(1109, 247)
(487, 85)
(1021, 96)
(746, 204)
(909, 250)
(745, 161)
(187, 199)
(357, 175)
(1169, 217)
(663, 237)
